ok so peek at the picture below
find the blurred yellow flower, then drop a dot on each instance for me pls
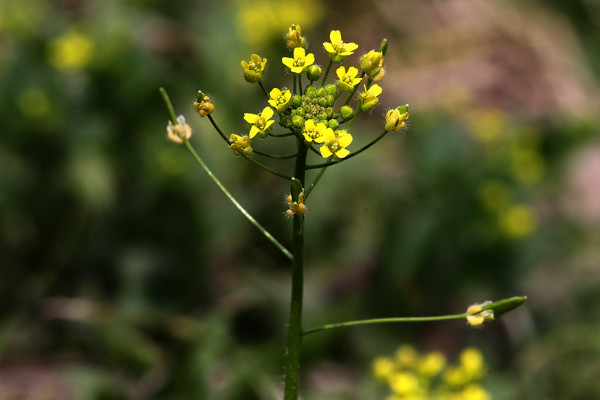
(487, 125)
(518, 221)
(71, 52)
(431, 364)
(260, 21)
(494, 194)
(471, 361)
(383, 368)
(33, 102)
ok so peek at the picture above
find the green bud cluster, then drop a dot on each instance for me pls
(315, 104)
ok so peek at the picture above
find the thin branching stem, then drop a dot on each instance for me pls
(329, 163)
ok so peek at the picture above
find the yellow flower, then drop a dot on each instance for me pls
(294, 37)
(300, 61)
(404, 383)
(254, 69)
(240, 145)
(335, 143)
(395, 119)
(383, 368)
(372, 62)
(369, 98)
(519, 220)
(179, 133)
(71, 52)
(406, 355)
(474, 392)
(471, 361)
(337, 50)
(347, 80)
(431, 364)
(477, 317)
(261, 123)
(279, 100)
(314, 133)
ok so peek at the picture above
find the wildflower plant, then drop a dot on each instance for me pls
(318, 117)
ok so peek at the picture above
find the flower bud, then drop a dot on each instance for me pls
(477, 316)
(180, 132)
(395, 119)
(202, 105)
(294, 37)
(314, 72)
(333, 124)
(372, 62)
(298, 121)
(346, 112)
(379, 76)
(240, 145)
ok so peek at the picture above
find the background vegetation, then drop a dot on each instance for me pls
(127, 275)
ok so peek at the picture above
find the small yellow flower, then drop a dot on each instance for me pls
(431, 364)
(294, 37)
(261, 123)
(296, 207)
(71, 52)
(337, 50)
(240, 145)
(314, 133)
(300, 61)
(179, 133)
(404, 383)
(406, 356)
(347, 80)
(279, 100)
(369, 98)
(477, 317)
(383, 368)
(471, 362)
(203, 106)
(254, 69)
(335, 143)
(372, 62)
(395, 119)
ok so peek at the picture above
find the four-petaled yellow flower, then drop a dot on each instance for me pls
(314, 133)
(396, 119)
(335, 143)
(261, 123)
(300, 61)
(279, 100)
(180, 132)
(254, 69)
(337, 50)
(348, 80)
(369, 98)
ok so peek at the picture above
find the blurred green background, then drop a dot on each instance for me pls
(127, 275)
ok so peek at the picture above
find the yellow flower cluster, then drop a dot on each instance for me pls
(412, 376)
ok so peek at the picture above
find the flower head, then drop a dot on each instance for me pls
(337, 50)
(280, 100)
(240, 145)
(294, 37)
(477, 317)
(395, 119)
(347, 80)
(261, 123)
(335, 143)
(254, 69)
(369, 98)
(180, 132)
(314, 133)
(300, 61)
(203, 105)
(372, 62)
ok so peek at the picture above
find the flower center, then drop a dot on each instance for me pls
(298, 62)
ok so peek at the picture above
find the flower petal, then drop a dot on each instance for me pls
(251, 118)
(267, 113)
(325, 152)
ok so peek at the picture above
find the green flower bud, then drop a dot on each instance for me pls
(331, 89)
(321, 92)
(313, 73)
(330, 100)
(286, 121)
(346, 112)
(333, 124)
(310, 91)
(297, 121)
(295, 101)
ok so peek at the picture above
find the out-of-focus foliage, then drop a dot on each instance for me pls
(126, 275)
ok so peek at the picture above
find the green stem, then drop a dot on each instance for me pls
(263, 89)
(314, 182)
(294, 340)
(214, 124)
(169, 105)
(294, 92)
(250, 218)
(326, 73)
(275, 156)
(300, 84)
(327, 164)
(382, 321)
(282, 134)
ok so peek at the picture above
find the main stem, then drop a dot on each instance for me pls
(294, 340)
